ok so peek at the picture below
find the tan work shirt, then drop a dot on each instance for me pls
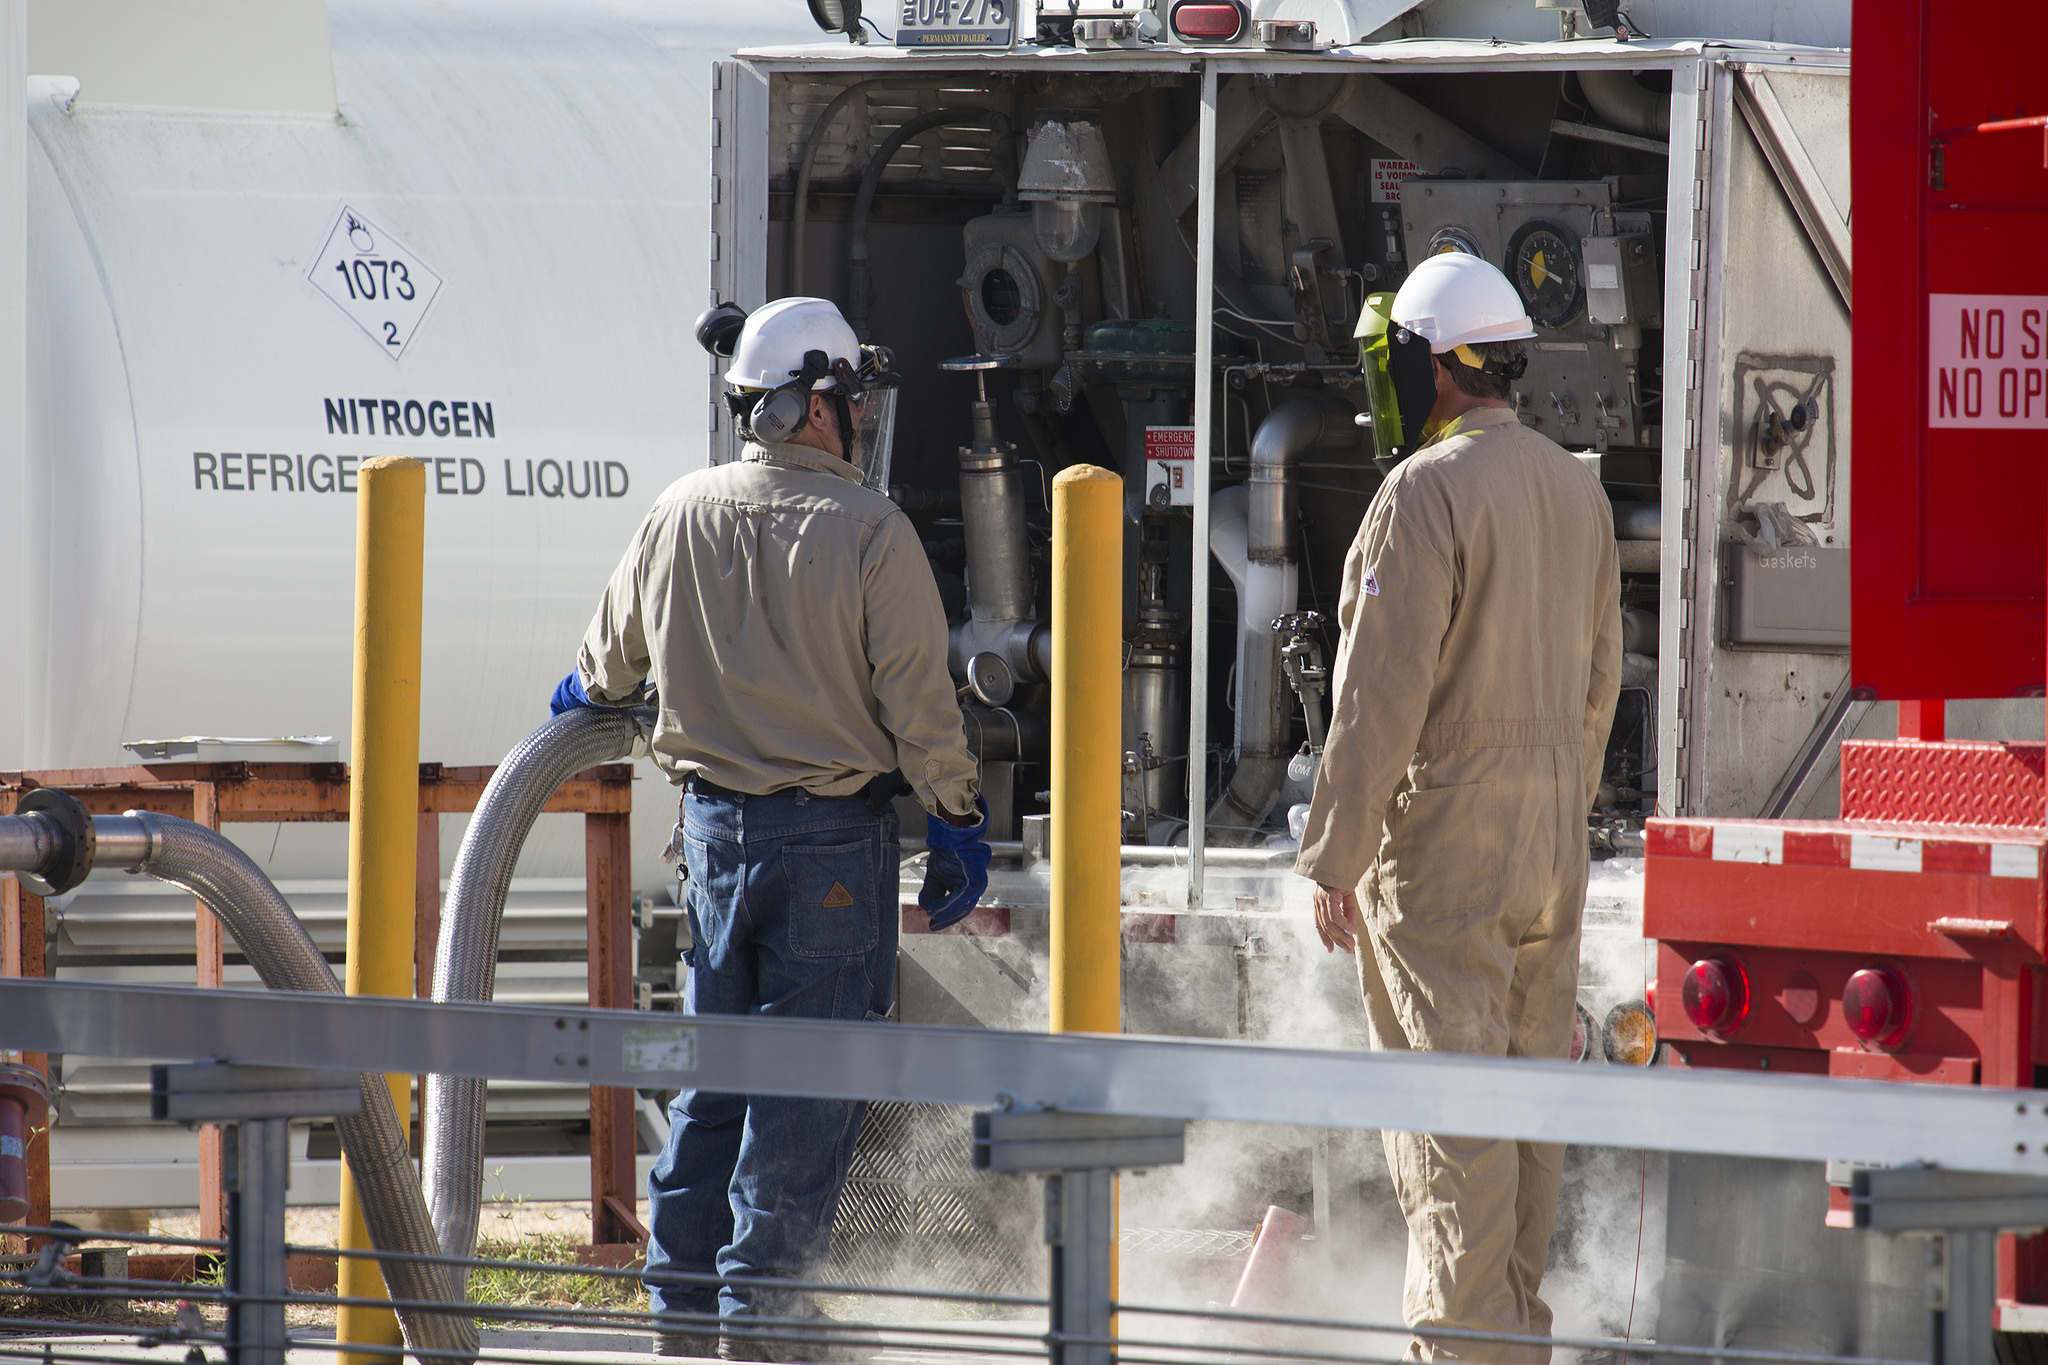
(1480, 611)
(788, 617)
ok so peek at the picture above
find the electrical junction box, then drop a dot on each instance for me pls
(1795, 598)
(1621, 281)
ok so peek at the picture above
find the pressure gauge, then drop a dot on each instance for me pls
(1453, 239)
(1544, 264)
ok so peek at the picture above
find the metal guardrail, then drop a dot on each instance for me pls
(1074, 1109)
(1731, 1113)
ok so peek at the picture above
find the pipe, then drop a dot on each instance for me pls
(998, 559)
(1638, 521)
(992, 520)
(1255, 536)
(383, 821)
(1619, 98)
(1001, 734)
(24, 1107)
(800, 211)
(277, 945)
(1274, 1251)
(1308, 421)
(1087, 616)
(859, 285)
(1155, 730)
(466, 960)
(29, 842)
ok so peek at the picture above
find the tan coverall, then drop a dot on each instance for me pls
(788, 618)
(1474, 689)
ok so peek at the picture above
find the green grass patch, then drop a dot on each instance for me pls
(515, 1288)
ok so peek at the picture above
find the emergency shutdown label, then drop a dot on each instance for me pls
(1987, 360)
(1169, 466)
(384, 288)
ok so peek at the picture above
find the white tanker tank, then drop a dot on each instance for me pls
(485, 253)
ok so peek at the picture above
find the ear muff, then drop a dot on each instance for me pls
(780, 414)
(783, 410)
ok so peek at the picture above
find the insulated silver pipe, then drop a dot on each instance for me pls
(466, 961)
(122, 841)
(1305, 422)
(200, 861)
(28, 842)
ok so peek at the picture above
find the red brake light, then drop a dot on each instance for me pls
(1878, 1006)
(1716, 994)
(1208, 21)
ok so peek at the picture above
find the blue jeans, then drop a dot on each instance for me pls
(792, 908)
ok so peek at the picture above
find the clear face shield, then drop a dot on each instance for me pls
(875, 428)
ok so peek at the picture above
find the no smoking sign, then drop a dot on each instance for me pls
(368, 274)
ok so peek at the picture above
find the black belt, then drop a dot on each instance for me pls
(879, 792)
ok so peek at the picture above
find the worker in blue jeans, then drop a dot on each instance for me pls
(792, 908)
(785, 611)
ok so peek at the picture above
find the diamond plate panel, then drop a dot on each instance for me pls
(1944, 782)
(916, 1214)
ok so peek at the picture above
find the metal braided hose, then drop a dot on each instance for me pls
(199, 860)
(466, 961)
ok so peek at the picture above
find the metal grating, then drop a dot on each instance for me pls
(916, 1214)
(1206, 1244)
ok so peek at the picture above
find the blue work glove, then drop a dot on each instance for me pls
(569, 695)
(956, 870)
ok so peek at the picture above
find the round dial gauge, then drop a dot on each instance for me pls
(1453, 239)
(1544, 264)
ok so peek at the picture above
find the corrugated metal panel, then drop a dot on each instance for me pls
(117, 928)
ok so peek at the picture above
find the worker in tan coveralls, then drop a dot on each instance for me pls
(1475, 686)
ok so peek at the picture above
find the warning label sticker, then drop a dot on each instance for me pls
(1987, 360)
(1387, 175)
(1169, 466)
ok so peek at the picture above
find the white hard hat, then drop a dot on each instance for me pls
(1452, 300)
(771, 346)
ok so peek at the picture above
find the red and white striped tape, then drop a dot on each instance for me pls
(1842, 847)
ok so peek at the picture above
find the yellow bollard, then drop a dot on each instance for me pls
(383, 812)
(1087, 750)
(1087, 763)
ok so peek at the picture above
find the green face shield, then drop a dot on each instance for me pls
(1400, 381)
